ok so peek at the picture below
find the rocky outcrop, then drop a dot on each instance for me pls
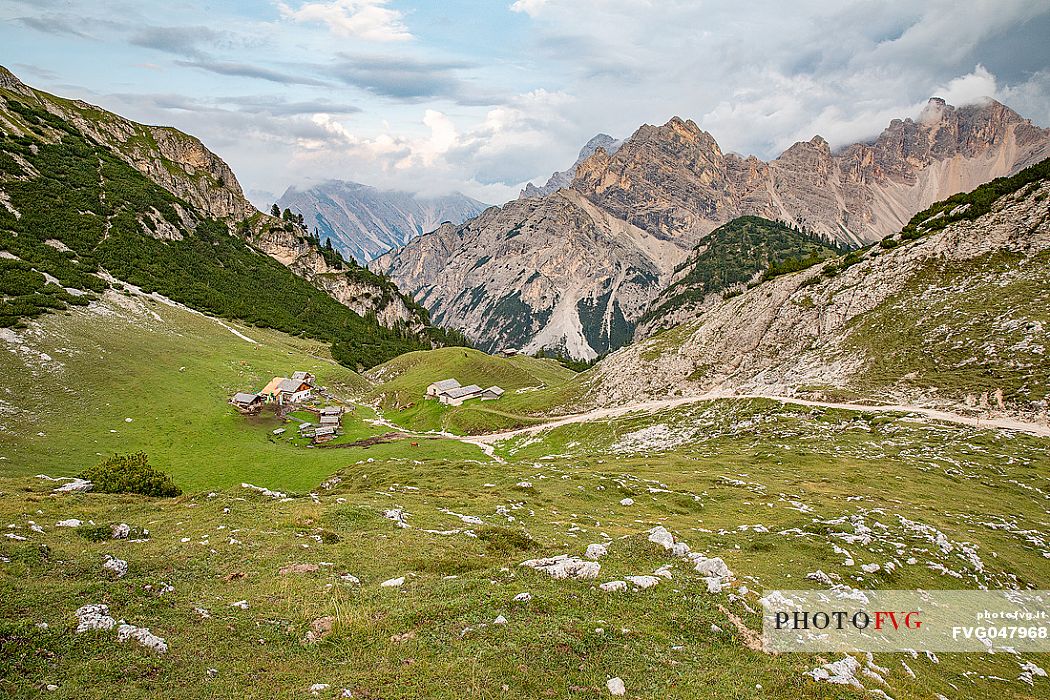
(365, 222)
(563, 178)
(673, 185)
(355, 288)
(513, 278)
(946, 318)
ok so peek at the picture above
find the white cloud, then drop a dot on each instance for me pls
(969, 88)
(364, 19)
(529, 7)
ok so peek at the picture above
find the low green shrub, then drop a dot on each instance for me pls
(130, 473)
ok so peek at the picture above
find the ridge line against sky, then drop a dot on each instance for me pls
(483, 97)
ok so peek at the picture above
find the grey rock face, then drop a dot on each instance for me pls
(364, 222)
(671, 185)
(795, 332)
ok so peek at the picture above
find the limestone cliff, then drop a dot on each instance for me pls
(672, 185)
(956, 316)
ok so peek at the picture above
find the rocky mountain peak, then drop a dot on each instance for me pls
(9, 81)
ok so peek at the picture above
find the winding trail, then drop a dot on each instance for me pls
(997, 423)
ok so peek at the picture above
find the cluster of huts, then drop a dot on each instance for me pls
(328, 427)
(281, 390)
(451, 393)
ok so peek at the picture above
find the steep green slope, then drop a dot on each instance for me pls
(71, 209)
(746, 249)
(73, 379)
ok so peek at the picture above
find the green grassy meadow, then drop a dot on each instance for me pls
(772, 489)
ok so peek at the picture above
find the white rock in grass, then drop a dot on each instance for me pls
(523, 597)
(318, 688)
(398, 516)
(118, 566)
(613, 586)
(72, 522)
(94, 617)
(120, 532)
(714, 584)
(712, 567)
(500, 620)
(393, 582)
(869, 568)
(659, 535)
(643, 582)
(241, 604)
(564, 566)
(680, 549)
(627, 502)
(841, 672)
(615, 686)
(524, 484)
(819, 576)
(263, 491)
(75, 486)
(664, 571)
(595, 551)
(143, 636)
(349, 578)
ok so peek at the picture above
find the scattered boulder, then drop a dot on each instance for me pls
(596, 551)
(564, 566)
(94, 617)
(643, 582)
(393, 582)
(660, 535)
(75, 486)
(71, 522)
(841, 672)
(523, 597)
(500, 620)
(616, 686)
(264, 491)
(119, 567)
(613, 586)
(120, 531)
(143, 636)
(627, 502)
(241, 604)
(398, 516)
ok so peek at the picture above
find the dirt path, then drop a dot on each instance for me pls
(999, 423)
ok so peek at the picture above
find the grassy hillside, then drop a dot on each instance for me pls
(70, 208)
(736, 253)
(73, 380)
(529, 383)
(963, 329)
(770, 489)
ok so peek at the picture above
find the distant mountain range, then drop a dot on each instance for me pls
(575, 269)
(364, 222)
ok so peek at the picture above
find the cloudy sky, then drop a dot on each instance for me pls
(481, 97)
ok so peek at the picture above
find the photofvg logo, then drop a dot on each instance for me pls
(850, 620)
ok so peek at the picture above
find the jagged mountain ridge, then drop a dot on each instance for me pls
(66, 231)
(365, 222)
(563, 178)
(951, 314)
(674, 184)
